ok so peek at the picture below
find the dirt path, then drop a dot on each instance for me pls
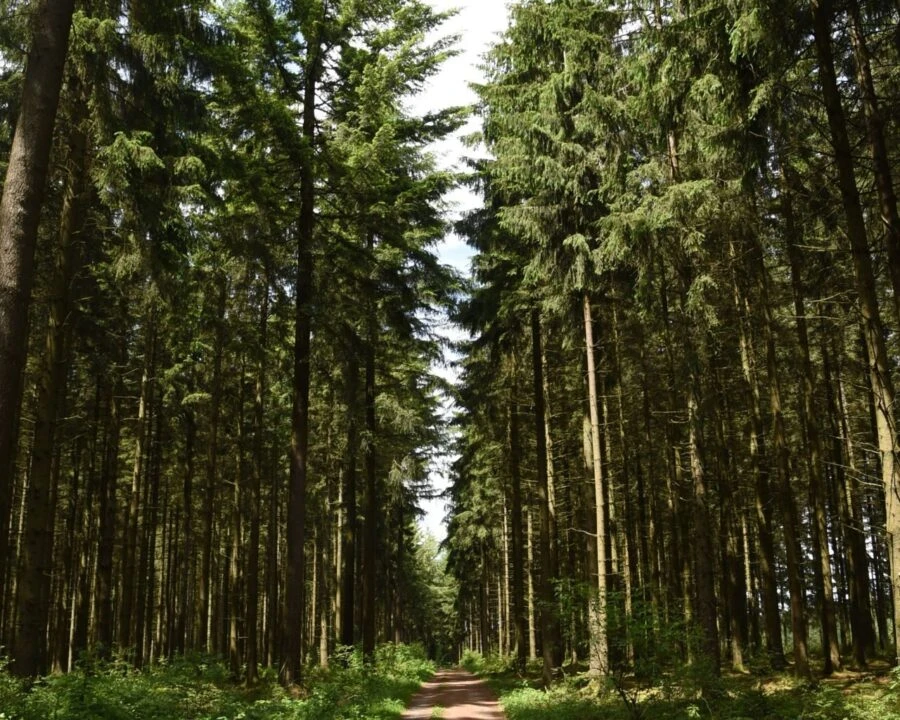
(460, 696)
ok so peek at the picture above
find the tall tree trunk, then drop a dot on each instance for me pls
(855, 559)
(348, 535)
(370, 539)
(790, 519)
(548, 621)
(30, 655)
(814, 454)
(704, 594)
(236, 600)
(599, 655)
(146, 588)
(295, 576)
(105, 619)
(762, 486)
(66, 594)
(515, 473)
(204, 596)
(704, 569)
(88, 539)
(184, 631)
(734, 587)
(133, 509)
(255, 490)
(552, 499)
(273, 539)
(20, 211)
(870, 315)
(532, 636)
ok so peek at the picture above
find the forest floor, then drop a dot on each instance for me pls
(454, 695)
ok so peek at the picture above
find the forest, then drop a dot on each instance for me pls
(673, 441)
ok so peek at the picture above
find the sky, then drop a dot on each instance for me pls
(477, 23)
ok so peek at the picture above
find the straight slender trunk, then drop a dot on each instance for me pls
(552, 506)
(649, 517)
(105, 619)
(532, 637)
(548, 621)
(515, 474)
(599, 649)
(237, 604)
(204, 595)
(255, 491)
(66, 594)
(348, 535)
(734, 587)
(703, 597)
(132, 515)
(762, 487)
(88, 539)
(290, 672)
(814, 454)
(184, 631)
(20, 211)
(855, 558)
(704, 569)
(790, 519)
(273, 540)
(147, 573)
(324, 592)
(370, 540)
(632, 560)
(672, 561)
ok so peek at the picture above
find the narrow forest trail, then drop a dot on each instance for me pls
(459, 695)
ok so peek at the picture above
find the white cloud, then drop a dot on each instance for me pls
(478, 23)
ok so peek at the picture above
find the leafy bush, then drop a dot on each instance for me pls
(199, 688)
(491, 664)
(557, 703)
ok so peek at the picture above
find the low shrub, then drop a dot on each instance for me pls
(199, 688)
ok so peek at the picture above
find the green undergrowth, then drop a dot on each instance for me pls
(677, 696)
(200, 688)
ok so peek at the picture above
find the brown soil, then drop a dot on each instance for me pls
(459, 695)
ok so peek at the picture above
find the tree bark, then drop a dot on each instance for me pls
(515, 473)
(790, 519)
(348, 535)
(814, 454)
(236, 606)
(204, 595)
(599, 649)
(184, 631)
(20, 211)
(855, 556)
(131, 524)
(295, 576)
(762, 487)
(549, 635)
(30, 656)
(370, 530)
(255, 493)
